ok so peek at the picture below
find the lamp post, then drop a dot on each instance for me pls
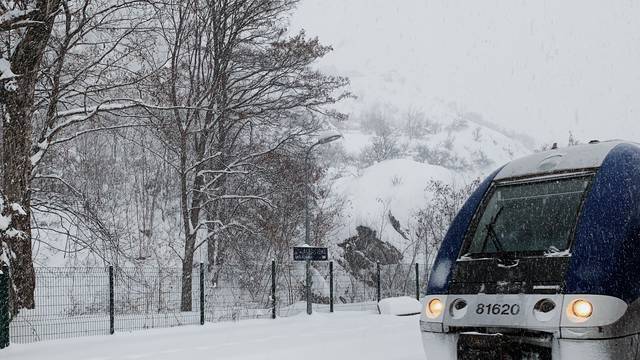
(324, 139)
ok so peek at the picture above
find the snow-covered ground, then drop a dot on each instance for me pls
(342, 335)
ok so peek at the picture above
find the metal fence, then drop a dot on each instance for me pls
(73, 302)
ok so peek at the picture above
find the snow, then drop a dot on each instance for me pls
(17, 208)
(348, 335)
(575, 157)
(5, 221)
(403, 305)
(13, 15)
(5, 68)
(459, 148)
(319, 285)
(3, 255)
(35, 158)
(355, 141)
(395, 185)
(554, 252)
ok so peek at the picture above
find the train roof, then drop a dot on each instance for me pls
(586, 156)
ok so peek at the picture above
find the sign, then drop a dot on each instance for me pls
(308, 253)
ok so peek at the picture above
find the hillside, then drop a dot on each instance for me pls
(377, 187)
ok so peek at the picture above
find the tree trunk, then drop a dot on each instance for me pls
(17, 173)
(16, 109)
(187, 261)
(187, 282)
(191, 217)
(215, 245)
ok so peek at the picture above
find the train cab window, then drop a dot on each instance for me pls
(528, 218)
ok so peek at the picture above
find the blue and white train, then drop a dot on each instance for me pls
(543, 261)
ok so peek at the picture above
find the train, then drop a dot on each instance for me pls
(542, 261)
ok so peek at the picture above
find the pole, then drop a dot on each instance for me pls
(273, 289)
(330, 286)
(378, 280)
(307, 227)
(201, 293)
(308, 287)
(307, 214)
(112, 324)
(417, 282)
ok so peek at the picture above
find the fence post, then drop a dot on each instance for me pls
(112, 325)
(201, 293)
(330, 286)
(417, 282)
(4, 307)
(378, 280)
(273, 289)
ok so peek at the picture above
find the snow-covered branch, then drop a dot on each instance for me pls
(8, 211)
(17, 18)
(71, 117)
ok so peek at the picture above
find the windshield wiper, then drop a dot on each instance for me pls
(491, 232)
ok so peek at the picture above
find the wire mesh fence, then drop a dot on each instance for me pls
(70, 302)
(235, 292)
(402, 280)
(73, 302)
(147, 298)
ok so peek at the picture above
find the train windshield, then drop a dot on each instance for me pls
(528, 218)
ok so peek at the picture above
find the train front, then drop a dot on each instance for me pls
(540, 262)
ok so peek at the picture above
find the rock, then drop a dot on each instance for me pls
(363, 251)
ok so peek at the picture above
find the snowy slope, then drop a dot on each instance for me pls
(462, 148)
(462, 133)
(395, 186)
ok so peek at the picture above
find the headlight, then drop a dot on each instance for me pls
(580, 309)
(434, 308)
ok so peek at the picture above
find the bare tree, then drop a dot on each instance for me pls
(432, 222)
(237, 85)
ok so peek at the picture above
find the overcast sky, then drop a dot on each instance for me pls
(540, 67)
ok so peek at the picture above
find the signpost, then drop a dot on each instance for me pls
(308, 254)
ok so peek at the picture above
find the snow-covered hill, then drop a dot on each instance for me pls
(391, 186)
(436, 142)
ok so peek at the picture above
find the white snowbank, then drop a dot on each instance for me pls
(403, 305)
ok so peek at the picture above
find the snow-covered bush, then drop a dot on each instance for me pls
(385, 146)
(432, 222)
(440, 156)
(480, 159)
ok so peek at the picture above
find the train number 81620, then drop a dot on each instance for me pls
(498, 309)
